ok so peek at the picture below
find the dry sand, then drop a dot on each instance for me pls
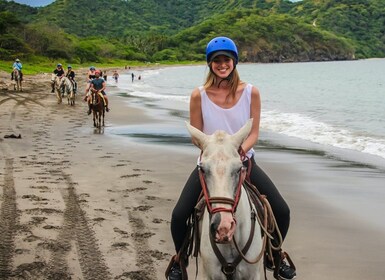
(78, 203)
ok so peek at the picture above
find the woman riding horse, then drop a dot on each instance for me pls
(226, 103)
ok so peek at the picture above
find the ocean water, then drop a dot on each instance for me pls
(336, 108)
(325, 119)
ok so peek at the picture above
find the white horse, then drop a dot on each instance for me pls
(68, 88)
(231, 244)
(55, 80)
(63, 85)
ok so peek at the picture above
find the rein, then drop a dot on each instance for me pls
(223, 200)
(229, 268)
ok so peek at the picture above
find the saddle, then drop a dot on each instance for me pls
(266, 220)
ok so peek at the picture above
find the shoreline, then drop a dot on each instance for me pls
(77, 189)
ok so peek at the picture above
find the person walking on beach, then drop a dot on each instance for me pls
(115, 76)
(18, 66)
(105, 75)
(132, 77)
(227, 103)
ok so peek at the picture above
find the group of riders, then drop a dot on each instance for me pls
(95, 83)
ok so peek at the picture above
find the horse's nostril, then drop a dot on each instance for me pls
(215, 221)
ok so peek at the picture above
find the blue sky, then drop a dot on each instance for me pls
(34, 3)
(39, 3)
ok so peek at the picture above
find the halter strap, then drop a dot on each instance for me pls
(224, 200)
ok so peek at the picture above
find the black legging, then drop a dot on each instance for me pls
(192, 189)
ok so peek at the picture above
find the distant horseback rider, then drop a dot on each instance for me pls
(17, 66)
(90, 76)
(99, 85)
(59, 72)
(71, 76)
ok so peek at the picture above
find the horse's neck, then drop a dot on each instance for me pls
(95, 97)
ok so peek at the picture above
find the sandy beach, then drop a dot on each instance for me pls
(81, 203)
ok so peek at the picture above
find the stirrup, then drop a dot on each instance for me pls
(182, 265)
(283, 255)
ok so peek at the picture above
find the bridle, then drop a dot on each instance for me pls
(223, 200)
(244, 173)
(228, 268)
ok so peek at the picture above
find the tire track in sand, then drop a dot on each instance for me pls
(8, 221)
(76, 229)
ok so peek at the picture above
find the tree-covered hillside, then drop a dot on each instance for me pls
(362, 21)
(115, 18)
(263, 37)
(153, 30)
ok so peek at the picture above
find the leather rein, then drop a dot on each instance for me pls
(229, 268)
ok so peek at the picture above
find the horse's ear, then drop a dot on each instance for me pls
(240, 136)
(199, 138)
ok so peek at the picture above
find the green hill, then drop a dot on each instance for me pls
(154, 30)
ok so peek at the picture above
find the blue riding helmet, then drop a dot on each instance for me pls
(69, 66)
(92, 68)
(59, 65)
(221, 46)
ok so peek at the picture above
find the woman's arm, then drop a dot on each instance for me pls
(255, 113)
(196, 119)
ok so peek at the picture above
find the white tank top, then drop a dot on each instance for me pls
(229, 120)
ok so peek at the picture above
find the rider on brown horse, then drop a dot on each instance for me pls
(18, 66)
(98, 84)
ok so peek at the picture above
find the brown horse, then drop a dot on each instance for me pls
(97, 105)
(17, 76)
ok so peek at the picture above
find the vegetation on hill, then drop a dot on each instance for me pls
(81, 31)
(361, 21)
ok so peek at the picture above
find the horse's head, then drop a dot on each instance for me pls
(222, 173)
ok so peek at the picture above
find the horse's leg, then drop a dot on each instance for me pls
(100, 119)
(58, 96)
(72, 97)
(103, 115)
(21, 86)
(94, 117)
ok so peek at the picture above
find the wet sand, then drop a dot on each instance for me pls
(81, 203)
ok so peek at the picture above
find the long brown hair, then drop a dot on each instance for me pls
(233, 81)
